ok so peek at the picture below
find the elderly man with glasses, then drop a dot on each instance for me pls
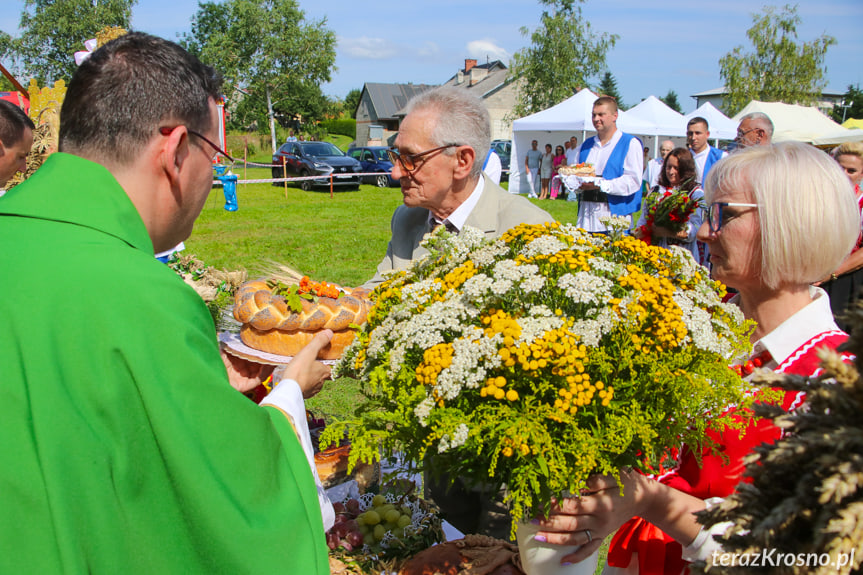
(755, 129)
(440, 149)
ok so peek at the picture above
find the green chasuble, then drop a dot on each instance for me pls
(124, 449)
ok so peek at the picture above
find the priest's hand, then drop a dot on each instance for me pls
(245, 375)
(309, 374)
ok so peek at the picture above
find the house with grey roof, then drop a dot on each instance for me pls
(380, 108)
(377, 112)
(829, 99)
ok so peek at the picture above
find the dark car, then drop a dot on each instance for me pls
(303, 159)
(375, 159)
(503, 148)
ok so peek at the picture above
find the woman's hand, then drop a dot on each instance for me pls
(589, 519)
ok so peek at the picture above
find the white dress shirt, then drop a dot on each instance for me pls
(590, 213)
(459, 216)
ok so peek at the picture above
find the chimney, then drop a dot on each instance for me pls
(468, 64)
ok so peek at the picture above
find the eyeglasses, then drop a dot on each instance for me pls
(714, 213)
(166, 131)
(409, 161)
(740, 135)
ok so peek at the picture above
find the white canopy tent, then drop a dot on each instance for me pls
(662, 119)
(572, 117)
(801, 124)
(721, 126)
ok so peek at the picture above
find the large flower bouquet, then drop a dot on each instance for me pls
(540, 358)
(669, 209)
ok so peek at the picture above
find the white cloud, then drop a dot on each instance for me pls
(480, 49)
(365, 48)
(428, 50)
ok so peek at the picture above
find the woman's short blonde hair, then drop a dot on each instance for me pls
(849, 149)
(807, 210)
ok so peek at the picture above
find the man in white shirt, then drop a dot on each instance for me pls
(654, 166)
(697, 134)
(619, 159)
(572, 151)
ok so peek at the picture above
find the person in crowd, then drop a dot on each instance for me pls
(492, 166)
(790, 187)
(16, 139)
(572, 151)
(846, 281)
(557, 161)
(546, 170)
(654, 166)
(697, 134)
(443, 134)
(755, 129)
(618, 158)
(128, 446)
(531, 168)
(678, 172)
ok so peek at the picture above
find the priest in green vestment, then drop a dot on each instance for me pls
(125, 448)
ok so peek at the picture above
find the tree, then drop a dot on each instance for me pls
(563, 54)
(779, 69)
(53, 31)
(608, 87)
(352, 100)
(852, 105)
(671, 101)
(267, 48)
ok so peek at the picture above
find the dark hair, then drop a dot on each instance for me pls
(559, 147)
(698, 120)
(130, 87)
(606, 101)
(13, 122)
(685, 168)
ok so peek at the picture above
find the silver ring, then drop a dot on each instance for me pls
(589, 538)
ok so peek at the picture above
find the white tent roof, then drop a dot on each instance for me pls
(801, 124)
(720, 125)
(662, 120)
(575, 114)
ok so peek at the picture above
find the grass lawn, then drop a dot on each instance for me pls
(340, 239)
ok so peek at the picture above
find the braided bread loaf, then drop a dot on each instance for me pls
(271, 326)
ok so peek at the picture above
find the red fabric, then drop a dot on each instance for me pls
(658, 553)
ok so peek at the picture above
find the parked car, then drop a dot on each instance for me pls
(503, 148)
(375, 159)
(303, 159)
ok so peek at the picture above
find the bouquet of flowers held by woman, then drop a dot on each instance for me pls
(670, 210)
(540, 358)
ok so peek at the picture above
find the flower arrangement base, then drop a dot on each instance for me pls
(544, 559)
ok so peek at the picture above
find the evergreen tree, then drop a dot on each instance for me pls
(671, 101)
(852, 105)
(779, 69)
(564, 53)
(608, 87)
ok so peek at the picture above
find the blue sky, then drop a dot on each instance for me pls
(673, 44)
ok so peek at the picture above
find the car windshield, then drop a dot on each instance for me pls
(321, 149)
